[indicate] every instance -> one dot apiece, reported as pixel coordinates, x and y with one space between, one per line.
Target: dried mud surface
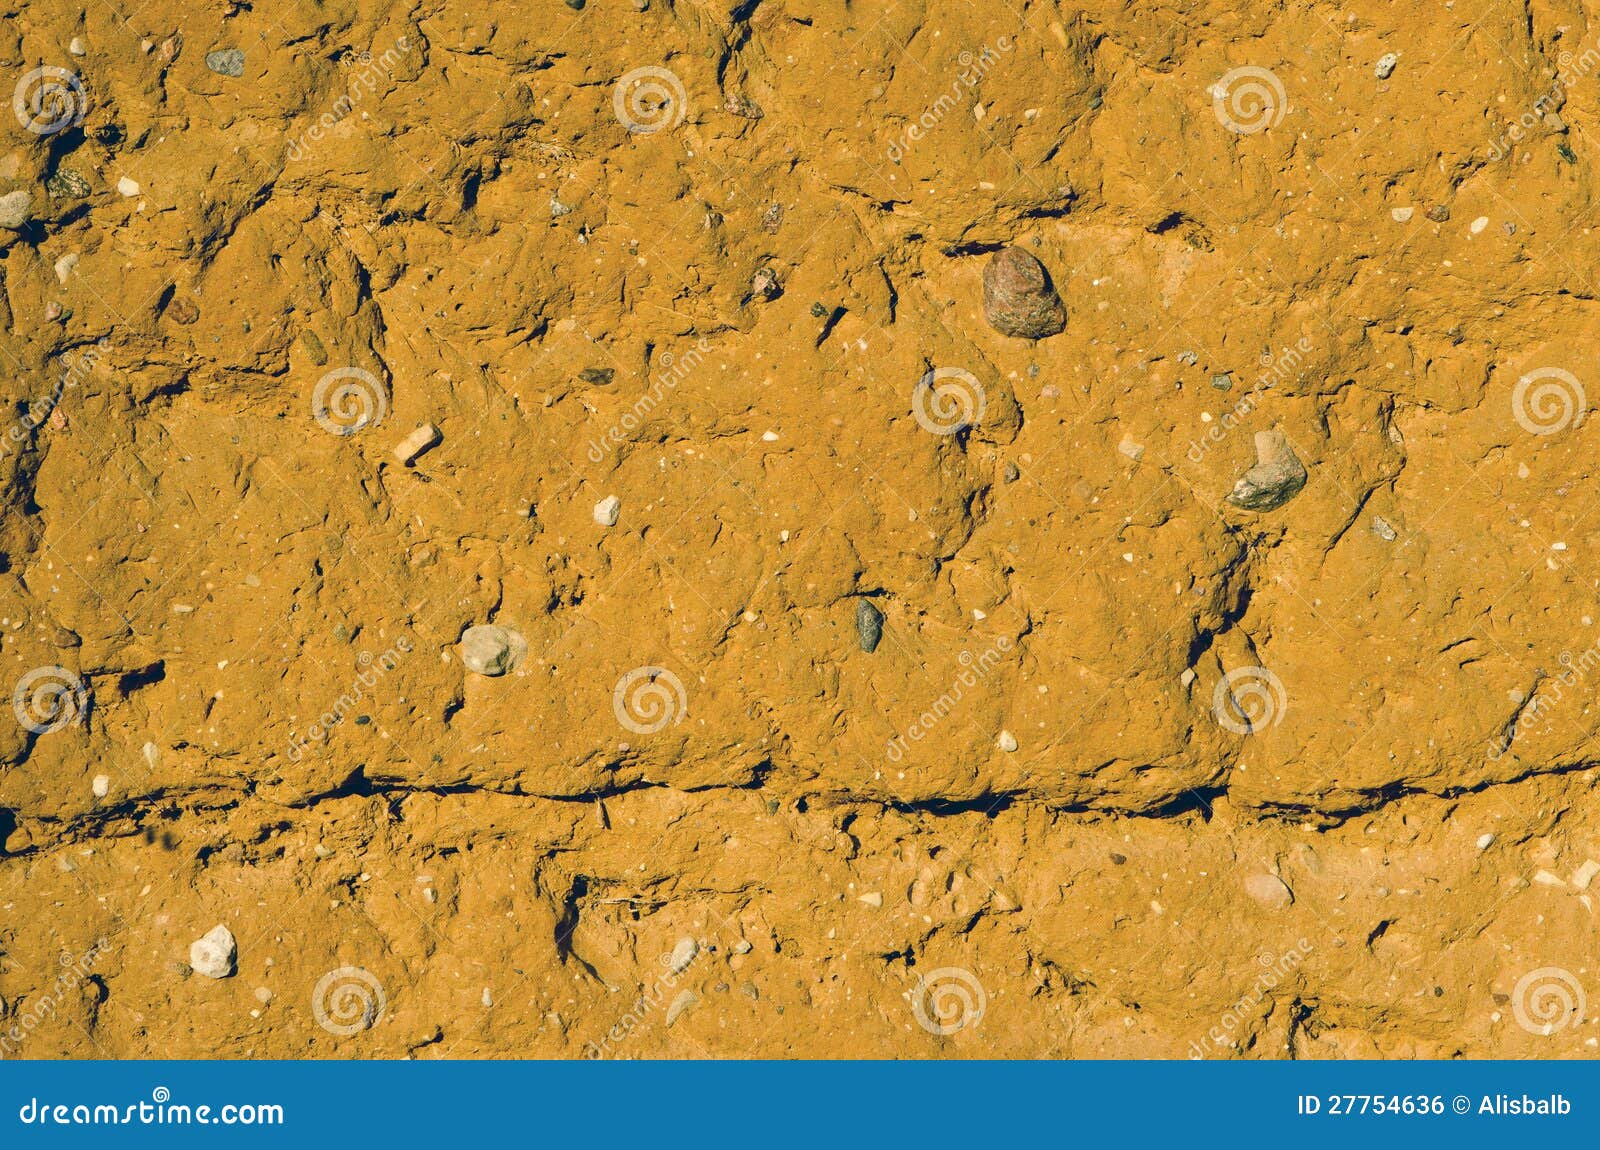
694 297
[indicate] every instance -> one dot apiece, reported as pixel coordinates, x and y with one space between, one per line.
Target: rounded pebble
1018 298
213 953
491 650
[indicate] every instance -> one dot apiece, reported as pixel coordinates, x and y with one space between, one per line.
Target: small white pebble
1385 66
1485 841
1479 224
127 186
1007 742
77 48
607 511
1401 215
769 436
101 786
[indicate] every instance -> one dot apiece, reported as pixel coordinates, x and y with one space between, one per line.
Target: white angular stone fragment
607 510
417 442
127 186
101 786
1485 841
1007 742
213 953
1584 875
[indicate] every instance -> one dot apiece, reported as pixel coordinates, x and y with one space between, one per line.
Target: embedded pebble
607 510
1269 890
764 285
1485 841
76 47
67 184
16 208
1381 528
1222 381
1018 297
1277 477
742 947
872 898
491 650
1439 213
683 953
1401 215
869 625
101 786
1584 875
1478 224
1007 742
417 442
1385 66
226 62
213 953
128 186
683 1002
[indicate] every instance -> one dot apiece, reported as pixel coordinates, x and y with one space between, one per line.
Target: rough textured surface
725 264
